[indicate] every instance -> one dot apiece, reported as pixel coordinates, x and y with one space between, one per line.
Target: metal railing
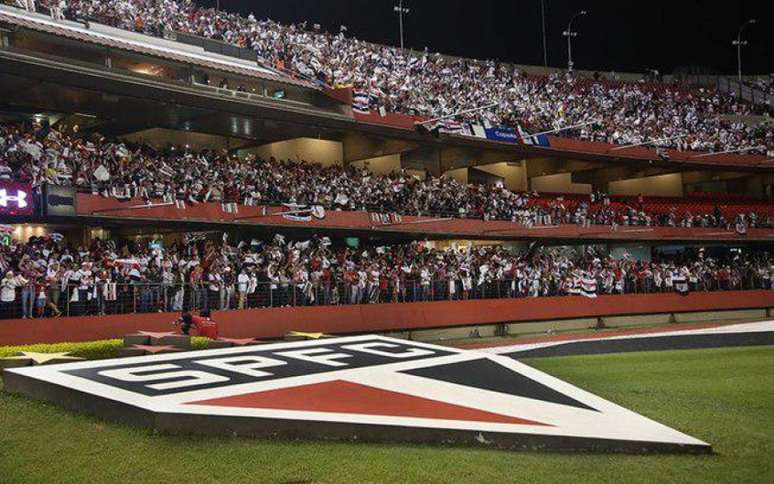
749 93
129 298
527 216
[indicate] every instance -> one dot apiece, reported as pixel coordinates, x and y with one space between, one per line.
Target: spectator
433 85
185 177
8 287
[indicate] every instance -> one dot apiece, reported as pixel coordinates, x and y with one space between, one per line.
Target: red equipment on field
204 325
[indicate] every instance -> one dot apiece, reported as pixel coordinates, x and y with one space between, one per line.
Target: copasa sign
505 135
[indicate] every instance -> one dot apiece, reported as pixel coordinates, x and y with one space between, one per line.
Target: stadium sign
366 388
59 200
15 198
505 135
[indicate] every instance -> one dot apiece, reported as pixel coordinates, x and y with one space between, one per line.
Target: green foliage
93 350
722 396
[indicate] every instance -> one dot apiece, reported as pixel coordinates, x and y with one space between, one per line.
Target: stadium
234 248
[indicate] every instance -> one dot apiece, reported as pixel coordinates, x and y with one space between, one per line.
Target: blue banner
541 140
506 135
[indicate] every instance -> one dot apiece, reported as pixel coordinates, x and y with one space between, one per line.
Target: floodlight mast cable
570 34
401 12
739 43
458 113
730 152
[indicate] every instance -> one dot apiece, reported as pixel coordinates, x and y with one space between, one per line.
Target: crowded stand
39 154
47 277
765 84
432 85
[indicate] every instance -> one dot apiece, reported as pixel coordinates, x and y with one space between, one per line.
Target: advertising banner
15 199
59 200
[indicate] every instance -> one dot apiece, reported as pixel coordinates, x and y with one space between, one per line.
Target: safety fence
119 298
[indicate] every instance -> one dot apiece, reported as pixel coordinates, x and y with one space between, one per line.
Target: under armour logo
20 198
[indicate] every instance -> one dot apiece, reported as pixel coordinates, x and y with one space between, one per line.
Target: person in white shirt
168 280
8 287
243 284
425 278
85 279
58 9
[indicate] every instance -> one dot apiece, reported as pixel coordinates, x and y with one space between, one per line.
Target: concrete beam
454 158
360 147
554 166
601 178
690 177
426 158
492 157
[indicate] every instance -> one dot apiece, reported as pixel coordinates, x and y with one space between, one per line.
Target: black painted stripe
655 343
485 374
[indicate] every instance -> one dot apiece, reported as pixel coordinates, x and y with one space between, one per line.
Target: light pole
543 19
739 43
570 34
401 12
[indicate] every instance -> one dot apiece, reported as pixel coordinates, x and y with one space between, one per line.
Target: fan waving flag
361 102
680 283
526 139
450 126
588 287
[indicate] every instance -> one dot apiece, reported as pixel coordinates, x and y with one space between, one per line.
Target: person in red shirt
231 198
41 290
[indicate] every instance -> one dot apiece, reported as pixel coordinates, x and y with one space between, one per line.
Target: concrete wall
637 252
460 174
429 335
559 183
698 317
514 175
382 165
544 326
22 233
644 320
161 138
754 186
325 152
417 173
276 322
670 185
90 205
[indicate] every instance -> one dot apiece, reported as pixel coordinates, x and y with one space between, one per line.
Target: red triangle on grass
346 397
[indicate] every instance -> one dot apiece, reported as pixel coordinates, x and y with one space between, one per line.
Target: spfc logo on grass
357 388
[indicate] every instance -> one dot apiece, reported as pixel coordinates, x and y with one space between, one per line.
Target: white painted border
610 421
758 327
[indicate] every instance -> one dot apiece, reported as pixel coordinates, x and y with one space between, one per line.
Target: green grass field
725 397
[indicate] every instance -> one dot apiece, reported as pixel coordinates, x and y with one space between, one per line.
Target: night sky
625 36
